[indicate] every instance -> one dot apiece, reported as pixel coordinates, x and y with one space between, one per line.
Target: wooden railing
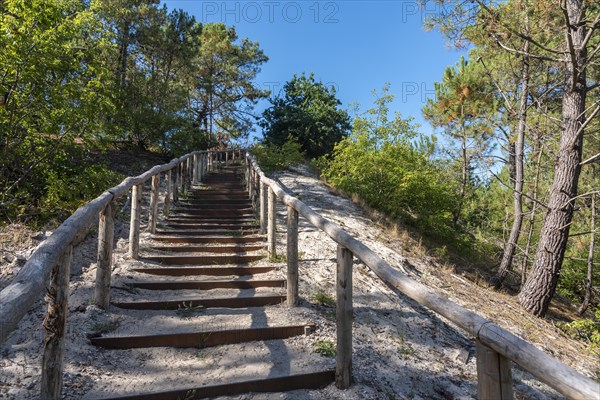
49 265
495 346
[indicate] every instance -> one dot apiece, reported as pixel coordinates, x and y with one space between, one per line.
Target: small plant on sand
324 299
406 350
325 348
188 310
277 258
101 328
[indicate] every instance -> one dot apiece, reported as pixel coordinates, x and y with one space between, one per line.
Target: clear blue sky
355 45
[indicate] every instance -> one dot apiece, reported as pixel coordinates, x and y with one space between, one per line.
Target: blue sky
355 45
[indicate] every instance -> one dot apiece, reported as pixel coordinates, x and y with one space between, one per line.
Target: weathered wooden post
154 204
55 325
254 195
167 202
494 380
134 224
343 359
292 256
106 237
200 167
271 225
250 180
186 172
190 171
176 184
264 194
180 179
195 168
227 158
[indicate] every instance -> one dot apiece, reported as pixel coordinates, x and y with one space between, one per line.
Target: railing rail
495 345
48 266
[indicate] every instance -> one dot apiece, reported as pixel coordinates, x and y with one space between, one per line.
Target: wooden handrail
31 280
559 376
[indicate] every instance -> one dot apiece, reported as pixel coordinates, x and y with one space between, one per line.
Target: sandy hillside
401 350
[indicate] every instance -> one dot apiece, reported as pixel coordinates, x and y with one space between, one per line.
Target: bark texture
540 286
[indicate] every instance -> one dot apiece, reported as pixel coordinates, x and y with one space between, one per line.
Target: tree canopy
309 112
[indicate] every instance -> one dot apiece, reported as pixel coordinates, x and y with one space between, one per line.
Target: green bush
388 164
587 329
271 157
71 187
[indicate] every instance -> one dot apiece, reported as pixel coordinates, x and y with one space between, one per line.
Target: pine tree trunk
539 288
511 245
533 214
590 260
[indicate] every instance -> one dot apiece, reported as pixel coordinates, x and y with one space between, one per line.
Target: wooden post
200 168
195 170
264 194
186 173
494 380
176 184
343 360
134 225
255 195
154 204
167 203
106 238
250 180
190 172
181 177
292 256
226 158
271 225
55 325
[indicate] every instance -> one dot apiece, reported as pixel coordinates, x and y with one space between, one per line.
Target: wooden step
212 238
210 248
224 302
217 196
207 285
220 259
206 271
200 340
194 219
311 381
200 201
213 206
218 234
232 227
213 211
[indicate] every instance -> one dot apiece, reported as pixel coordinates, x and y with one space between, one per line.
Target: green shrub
72 187
587 329
271 157
390 166
325 348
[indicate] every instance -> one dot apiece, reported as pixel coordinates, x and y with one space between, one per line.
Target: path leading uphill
193 283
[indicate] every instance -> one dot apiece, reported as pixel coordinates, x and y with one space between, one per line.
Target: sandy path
401 351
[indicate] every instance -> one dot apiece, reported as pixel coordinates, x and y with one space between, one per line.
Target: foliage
223 93
73 186
389 165
325 348
587 329
272 157
308 111
101 74
324 299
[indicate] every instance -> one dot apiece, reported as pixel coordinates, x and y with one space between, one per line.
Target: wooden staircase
206 261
